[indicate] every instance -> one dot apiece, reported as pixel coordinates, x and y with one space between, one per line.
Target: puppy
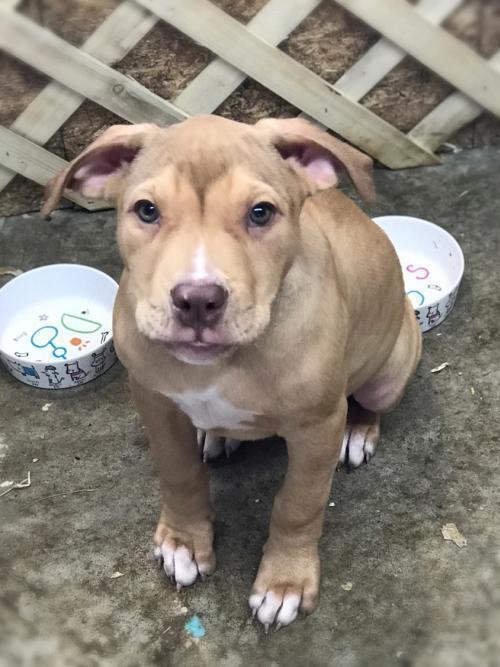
256 299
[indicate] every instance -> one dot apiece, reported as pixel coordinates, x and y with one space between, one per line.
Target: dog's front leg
288 578
183 539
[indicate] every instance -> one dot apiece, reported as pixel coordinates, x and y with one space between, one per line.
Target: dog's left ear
317 156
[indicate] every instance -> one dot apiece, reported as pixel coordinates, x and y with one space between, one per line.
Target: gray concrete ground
91 509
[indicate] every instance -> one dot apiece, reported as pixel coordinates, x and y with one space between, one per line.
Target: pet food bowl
432 263
55 325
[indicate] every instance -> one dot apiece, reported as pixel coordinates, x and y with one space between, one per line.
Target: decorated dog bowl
55 325
432 263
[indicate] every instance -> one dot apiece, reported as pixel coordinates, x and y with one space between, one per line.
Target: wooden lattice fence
244 51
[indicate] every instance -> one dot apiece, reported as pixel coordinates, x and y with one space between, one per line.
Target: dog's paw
183 559
212 446
358 445
361 436
272 606
285 585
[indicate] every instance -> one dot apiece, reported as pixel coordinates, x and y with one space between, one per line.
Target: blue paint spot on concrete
195 627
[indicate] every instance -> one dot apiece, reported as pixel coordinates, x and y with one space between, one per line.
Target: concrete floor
91 509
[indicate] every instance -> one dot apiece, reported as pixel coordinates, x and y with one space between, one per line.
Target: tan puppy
254 301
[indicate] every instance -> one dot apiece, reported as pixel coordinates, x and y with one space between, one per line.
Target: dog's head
208 215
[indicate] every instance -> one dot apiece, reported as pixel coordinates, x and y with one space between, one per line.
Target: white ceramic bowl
55 325
432 263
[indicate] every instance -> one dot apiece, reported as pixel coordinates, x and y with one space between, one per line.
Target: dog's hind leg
380 394
385 390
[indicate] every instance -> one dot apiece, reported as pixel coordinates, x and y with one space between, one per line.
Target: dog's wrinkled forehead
204 149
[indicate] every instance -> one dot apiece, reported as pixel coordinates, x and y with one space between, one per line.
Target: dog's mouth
198 351
198 346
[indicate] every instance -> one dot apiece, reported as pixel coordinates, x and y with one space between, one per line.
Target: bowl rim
48 268
421 221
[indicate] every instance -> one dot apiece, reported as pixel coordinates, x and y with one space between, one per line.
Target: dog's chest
208 410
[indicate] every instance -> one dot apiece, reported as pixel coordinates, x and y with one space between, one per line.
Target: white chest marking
207 410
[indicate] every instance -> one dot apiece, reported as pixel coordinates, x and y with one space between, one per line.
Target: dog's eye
261 214
146 211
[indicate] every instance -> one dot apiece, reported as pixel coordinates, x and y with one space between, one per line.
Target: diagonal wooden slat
39 165
445 55
272 68
273 23
448 117
79 71
52 107
383 56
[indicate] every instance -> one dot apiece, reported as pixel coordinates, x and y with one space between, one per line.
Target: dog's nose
199 305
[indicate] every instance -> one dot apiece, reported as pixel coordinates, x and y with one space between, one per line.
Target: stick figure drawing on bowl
75 372
433 314
98 361
53 376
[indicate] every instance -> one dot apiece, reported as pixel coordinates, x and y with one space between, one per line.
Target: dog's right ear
96 172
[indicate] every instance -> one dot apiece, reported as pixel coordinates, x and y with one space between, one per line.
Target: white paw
179 564
231 445
212 446
271 607
358 445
